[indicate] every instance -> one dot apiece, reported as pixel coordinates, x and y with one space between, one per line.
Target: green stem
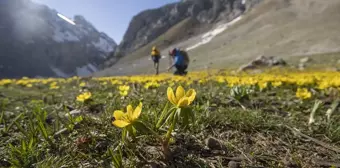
172 127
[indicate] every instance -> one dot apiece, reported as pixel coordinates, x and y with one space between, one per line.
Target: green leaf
165 113
23 145
316 106
191 114
31 125
43 130
13 122
22 130
170 118
140 126
185 116
78 119
179 112
2 117
124 134
330 111
15 150
117 158
133 130
172 127
30 145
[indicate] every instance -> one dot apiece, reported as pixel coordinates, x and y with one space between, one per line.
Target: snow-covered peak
68 45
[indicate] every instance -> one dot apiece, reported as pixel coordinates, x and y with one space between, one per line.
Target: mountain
173 23
149 24
38 41
282 28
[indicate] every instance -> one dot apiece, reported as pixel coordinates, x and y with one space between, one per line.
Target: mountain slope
150 24
281 28
36 41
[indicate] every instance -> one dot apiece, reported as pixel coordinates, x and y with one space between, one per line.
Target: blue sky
109 16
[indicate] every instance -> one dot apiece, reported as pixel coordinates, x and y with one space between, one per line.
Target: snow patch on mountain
60 36
103 45
66 19
59 72
207 37
86 70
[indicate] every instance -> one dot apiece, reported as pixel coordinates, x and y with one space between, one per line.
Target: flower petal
183 102
118 115
171 96
191 94
180 92
120 123
137 111
129 111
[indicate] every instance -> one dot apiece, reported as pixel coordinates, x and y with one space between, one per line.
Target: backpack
185 56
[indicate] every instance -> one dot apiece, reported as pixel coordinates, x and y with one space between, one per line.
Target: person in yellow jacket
155 56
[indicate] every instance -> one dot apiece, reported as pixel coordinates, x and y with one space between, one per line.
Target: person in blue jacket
180 61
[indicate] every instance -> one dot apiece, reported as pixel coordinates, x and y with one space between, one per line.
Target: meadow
278 118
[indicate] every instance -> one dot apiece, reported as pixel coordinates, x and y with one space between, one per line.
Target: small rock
233 164
74 113
263 61
246 67
154 165
2 95
302 66
213 143
305 60
290 164
4 163
49 119
333 69
152 150
70 108
9 114
63 131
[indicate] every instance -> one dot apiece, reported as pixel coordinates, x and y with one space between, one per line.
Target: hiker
181 61
155 56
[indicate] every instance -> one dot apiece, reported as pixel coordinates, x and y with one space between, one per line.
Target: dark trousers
156 63
180 69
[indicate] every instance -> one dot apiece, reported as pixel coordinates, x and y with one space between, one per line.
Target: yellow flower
123 93
323 85
83 97
54 86
171 83
182 98
151 85
202 81
124 90
263 85
303 93
220 79
189 83
5 82
277 83
83 84
125 119
29 85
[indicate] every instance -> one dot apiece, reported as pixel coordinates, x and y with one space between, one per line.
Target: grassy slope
255 136
279 28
